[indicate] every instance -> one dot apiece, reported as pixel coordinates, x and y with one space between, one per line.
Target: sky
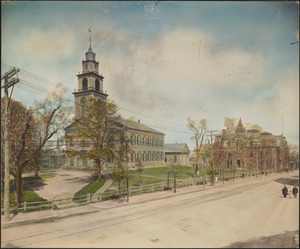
164 62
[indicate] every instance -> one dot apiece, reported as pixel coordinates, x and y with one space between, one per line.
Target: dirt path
65 184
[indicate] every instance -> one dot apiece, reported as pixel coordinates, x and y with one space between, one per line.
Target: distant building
177 154
54 158
251 149
146 144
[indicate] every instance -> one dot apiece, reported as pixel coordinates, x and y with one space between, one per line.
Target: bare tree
199 132
30 129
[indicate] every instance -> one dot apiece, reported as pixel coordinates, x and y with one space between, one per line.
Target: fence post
25 205
88 197
174 185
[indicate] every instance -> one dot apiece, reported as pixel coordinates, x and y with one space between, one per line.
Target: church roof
240 126
133 125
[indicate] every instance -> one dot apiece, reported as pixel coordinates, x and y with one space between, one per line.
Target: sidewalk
39 216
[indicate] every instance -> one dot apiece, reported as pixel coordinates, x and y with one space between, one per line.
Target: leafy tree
30 129
230 126
139 169
119 173
293 155
199 132
253 126
99 130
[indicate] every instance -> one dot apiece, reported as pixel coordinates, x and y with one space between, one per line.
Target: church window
97 85
84 84
83 110
71 162
84 162
86 66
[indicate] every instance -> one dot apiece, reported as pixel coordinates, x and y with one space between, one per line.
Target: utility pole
8 82
256 147
127 187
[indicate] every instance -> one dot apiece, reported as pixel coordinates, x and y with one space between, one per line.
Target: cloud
180 73
46 46
177 66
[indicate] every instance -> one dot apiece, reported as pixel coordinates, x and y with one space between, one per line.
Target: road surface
216 217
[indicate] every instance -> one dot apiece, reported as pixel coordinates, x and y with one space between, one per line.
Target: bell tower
90 82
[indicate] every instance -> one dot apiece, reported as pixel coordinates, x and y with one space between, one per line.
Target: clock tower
90 82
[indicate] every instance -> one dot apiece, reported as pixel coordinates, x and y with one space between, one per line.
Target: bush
95 175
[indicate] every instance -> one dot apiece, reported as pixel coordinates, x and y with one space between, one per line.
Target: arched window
97 85
82 110
84 84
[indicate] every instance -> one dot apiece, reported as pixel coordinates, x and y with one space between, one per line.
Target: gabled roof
265 133
137 126
131 125
176 147
240 126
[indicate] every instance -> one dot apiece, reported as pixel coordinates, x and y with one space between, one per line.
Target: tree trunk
19 187
36 174
98 169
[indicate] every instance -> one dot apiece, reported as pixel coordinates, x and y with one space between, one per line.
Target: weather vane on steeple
90 30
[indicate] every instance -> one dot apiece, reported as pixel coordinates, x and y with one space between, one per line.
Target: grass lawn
156 175
151 176
29 196
91 188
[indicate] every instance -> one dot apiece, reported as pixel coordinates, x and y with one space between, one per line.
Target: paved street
219 216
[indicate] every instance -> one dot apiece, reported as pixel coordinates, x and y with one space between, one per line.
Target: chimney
139 121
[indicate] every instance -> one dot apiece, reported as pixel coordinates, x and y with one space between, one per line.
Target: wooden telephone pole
8 82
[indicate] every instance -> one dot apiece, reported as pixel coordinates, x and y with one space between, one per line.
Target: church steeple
90 82
90 30
90 64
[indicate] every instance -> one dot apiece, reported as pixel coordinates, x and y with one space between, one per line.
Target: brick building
250 149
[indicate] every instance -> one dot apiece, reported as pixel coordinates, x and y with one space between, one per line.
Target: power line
41 89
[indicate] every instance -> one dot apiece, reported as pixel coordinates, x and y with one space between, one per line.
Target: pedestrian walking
216 179
295 191
285 191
